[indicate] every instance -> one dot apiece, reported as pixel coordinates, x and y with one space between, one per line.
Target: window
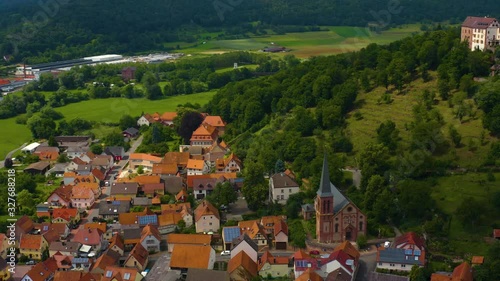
360 225
282 191
336 227
210 223
380 263
392 264
349 209
289 190
403 265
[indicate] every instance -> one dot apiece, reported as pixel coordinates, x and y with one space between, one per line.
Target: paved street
367 264
161 269
9 155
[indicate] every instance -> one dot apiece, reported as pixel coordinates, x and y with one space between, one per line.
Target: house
196 167
114 273
307 211
78 152
75 275
167 118
180 210
338 259
463 272
174 239
399 259
185 257
181 196
180 159
128 73
61 197
122 189
205 136
477 260
32 246
167 223
117 152
146 119
111 209
94 186
89 237
65 248
202 187
30 148
255 231
138 258
281 186
196 274
42 210
65 215
230 164
217 122
50 156
42 271
82 197
268 265
268 222
23 225
242 268
142 159
108 258
214 152
73 141
58 170
243 243
409 240
38 168
309 275
130 133
64 263
60 229
84 170
4 246
275 49
173 184
206 218
337 218
229 233
153 189
496 234
480 33
151 238
163 169
148 219
146 179
281 235
102 162
4 270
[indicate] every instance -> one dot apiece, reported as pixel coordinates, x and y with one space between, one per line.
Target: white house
150 238
281 186
196 167
245 244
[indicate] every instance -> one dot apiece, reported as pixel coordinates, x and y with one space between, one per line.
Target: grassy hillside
373 113
13 136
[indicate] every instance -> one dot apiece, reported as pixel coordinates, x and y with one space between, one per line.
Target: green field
99 110
13 136
336 40
112 109
363 131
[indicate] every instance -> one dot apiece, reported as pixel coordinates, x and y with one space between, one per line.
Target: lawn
336 40
111 110
13 137
449 194
248 66
373 113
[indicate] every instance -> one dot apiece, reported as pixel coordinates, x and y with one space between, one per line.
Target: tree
127 121
96 149
373 161
223 194
114 139
362 241
62 158
24 199
140 170
469 212
166 199
8 163
41 128
190 121
25 182
52 142
417 274
455 136
375 186
388 134
279 167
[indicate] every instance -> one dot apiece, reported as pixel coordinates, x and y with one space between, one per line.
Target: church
337 218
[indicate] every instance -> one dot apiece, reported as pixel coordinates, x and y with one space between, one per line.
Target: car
30 262
387 244
225 253
314 253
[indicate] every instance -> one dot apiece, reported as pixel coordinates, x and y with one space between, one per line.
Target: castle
337 218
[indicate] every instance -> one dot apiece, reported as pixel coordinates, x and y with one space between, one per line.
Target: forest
44 31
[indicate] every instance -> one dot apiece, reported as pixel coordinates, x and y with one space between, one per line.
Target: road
9 155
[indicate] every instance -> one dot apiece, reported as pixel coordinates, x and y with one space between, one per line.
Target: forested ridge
54 30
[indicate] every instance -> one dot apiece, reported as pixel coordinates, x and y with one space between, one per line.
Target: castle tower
324 207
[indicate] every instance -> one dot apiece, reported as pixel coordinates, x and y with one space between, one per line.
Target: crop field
337 39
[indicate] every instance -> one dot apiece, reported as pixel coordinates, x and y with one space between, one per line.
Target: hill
69 29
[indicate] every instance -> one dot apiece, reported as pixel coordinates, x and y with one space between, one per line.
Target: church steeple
325 189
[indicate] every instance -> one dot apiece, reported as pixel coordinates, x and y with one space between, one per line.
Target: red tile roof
478 22
242 260
410 238
215 121
477 260
88 236
31 242
349 249
64 213
98 174
150 230
191 256
205 209
281 226
140 254
309 275
269 258
118 273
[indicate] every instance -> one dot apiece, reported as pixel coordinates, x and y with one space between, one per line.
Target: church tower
324 207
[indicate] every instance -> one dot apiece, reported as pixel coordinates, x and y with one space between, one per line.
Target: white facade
395 266
332 266
207 223
211 260
282 194
188 219
142 121
478 39
245 247
150 243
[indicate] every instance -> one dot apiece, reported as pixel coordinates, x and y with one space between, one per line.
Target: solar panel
408 252
116 203
151 219
45 227
80 260
417 252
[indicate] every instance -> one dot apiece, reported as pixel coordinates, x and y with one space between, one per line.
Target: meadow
335 40
98 110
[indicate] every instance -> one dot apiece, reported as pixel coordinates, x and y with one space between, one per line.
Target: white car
225 253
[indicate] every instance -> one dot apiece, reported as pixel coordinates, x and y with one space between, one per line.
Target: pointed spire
325 189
